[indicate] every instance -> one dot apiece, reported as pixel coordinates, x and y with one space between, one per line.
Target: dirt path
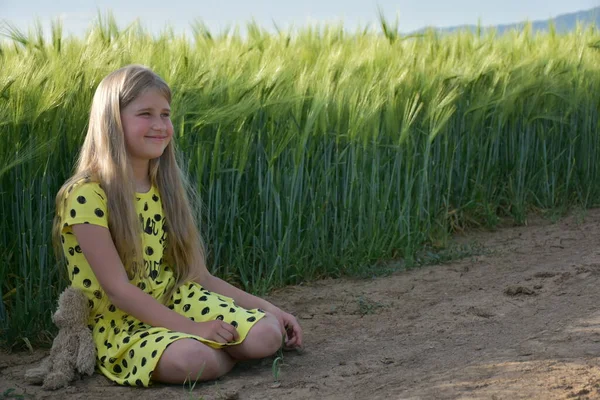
520 322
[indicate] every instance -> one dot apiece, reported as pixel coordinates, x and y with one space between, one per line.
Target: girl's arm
99 250
289 324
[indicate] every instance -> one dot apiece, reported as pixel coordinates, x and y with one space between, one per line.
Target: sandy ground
520 320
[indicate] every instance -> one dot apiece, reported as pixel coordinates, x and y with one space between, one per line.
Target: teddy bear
73 348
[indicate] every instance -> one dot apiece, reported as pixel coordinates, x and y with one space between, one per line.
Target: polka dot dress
128 349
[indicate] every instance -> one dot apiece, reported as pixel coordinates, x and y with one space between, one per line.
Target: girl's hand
291 326
217 331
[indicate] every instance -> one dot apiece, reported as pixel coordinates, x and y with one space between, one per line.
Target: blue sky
218 14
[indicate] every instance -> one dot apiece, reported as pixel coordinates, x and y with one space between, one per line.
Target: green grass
316 152
11 394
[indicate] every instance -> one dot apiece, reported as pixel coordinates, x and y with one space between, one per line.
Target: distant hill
563 23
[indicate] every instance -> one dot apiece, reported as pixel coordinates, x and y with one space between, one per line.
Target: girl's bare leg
189 359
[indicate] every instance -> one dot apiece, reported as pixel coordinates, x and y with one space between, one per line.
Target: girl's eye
166 115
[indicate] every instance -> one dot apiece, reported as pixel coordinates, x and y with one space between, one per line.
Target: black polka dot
192 318
223 305
232 310
145 206
102 329
108 345
191 286
205 310
134 370
203 298
153 274
251 319
113 323
149 250
139 382
190 295
174 337
143 335
97 294
172 306
117 369
260 310
178 301
158 339
124 362
219 317
99 212
86 222
144 343
62 238
103 358
78 249
126 382
234 324
81 199
157 217
131 353
91 304
154 353
112 360
141 285
117 330
71 251
155 197
73 213
87 283
187 307
143 361
112 308
65 225
126 340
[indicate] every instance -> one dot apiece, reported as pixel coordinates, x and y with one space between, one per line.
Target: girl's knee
193 360
269 331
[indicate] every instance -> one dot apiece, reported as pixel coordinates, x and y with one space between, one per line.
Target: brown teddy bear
73 348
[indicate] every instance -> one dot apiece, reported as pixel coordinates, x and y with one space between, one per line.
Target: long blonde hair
103 158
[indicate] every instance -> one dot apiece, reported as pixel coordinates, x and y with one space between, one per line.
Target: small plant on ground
10 394
278 362
367 306
191 385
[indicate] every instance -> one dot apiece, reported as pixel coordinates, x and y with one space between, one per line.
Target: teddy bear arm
86 354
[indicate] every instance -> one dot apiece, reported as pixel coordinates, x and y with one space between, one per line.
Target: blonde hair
103 158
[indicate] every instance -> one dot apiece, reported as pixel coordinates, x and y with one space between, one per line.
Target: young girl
127 231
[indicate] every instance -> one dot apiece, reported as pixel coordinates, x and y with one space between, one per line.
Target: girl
127 231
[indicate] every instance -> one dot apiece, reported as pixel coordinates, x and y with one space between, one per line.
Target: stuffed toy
73 349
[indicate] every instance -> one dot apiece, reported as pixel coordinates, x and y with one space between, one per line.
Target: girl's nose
159 125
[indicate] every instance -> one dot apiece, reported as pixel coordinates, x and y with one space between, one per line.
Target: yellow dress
129 349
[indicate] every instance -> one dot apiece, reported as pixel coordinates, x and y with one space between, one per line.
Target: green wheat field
316 153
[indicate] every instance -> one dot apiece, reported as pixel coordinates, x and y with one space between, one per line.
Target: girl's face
147 126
